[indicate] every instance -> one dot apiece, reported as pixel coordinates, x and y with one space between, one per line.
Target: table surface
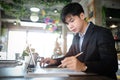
19 72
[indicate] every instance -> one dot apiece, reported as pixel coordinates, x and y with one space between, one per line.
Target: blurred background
37 23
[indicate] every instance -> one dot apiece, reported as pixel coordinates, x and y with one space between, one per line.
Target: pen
78 54
75 56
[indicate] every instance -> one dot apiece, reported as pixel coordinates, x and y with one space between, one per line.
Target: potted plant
26 51
25 54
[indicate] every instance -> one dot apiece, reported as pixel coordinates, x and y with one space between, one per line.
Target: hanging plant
103 16
15 9
19 10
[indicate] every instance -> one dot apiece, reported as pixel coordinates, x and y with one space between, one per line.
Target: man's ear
82 16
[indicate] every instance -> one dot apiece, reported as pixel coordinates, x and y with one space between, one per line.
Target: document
54 72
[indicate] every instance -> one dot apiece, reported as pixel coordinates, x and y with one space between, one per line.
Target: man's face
75 23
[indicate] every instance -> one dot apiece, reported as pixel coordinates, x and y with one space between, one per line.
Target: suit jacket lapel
87 37
77 43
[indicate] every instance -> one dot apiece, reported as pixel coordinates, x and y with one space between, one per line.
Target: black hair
72 9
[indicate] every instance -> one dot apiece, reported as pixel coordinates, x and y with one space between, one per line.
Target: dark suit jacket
99 55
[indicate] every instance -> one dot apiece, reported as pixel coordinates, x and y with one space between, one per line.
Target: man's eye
72 20
66 23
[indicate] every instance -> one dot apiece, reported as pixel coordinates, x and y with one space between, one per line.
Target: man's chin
75 32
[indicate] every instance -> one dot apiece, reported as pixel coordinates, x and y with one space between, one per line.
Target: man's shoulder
98 26
101 28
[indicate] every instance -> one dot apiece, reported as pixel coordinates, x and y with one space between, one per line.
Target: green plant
26 51
20 8
103 16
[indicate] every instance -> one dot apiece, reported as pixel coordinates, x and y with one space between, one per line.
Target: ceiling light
113 26
110 17
55 10
34 9
15 23
31 24
34 17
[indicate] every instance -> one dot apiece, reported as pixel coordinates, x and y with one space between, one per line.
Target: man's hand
73 63
47 61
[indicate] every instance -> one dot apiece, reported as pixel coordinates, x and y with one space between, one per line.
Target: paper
53 72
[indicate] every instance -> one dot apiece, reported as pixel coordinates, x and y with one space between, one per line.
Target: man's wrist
84 68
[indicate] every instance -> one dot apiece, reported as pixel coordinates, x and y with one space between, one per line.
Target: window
43 42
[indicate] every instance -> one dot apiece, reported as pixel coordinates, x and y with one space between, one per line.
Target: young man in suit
97 44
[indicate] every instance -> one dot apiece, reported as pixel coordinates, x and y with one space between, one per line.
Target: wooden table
18 73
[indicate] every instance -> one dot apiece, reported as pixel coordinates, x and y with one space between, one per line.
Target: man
97 44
